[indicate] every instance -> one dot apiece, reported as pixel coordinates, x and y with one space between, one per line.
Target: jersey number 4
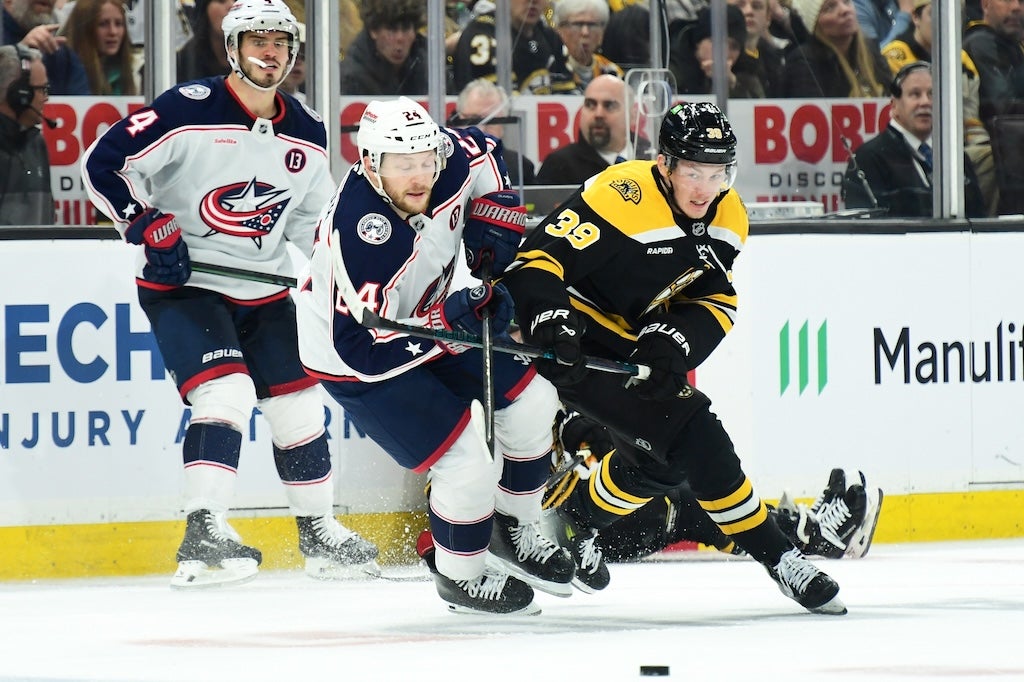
366 297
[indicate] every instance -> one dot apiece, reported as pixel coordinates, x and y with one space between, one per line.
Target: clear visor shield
428 163
703 176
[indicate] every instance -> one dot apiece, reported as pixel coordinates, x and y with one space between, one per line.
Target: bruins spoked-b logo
629 189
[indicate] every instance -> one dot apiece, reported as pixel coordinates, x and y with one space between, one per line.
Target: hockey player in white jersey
389 241
227 170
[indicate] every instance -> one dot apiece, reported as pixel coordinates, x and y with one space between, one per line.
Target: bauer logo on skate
244 209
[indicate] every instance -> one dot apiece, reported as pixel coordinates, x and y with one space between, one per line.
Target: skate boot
493 592
532 557
801 581
591 571
800 525
848 513
212 554
334 552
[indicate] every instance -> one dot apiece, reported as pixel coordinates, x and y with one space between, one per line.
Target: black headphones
896 87
20 92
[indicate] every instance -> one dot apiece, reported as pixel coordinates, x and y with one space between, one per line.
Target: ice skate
334 552
212 554
532 557
591 571
801 526
493 592
801 581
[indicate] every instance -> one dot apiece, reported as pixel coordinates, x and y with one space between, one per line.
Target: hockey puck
654 670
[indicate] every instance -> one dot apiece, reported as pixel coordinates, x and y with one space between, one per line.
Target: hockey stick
250 275
487 345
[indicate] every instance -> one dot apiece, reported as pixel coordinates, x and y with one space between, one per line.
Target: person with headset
637 266
893 170
26 197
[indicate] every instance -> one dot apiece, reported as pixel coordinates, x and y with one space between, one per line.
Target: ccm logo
221 353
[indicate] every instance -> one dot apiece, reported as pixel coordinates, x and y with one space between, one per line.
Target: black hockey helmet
697 131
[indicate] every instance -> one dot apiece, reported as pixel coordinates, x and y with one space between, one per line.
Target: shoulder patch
449 146
195 91
316 117
373 228
629 189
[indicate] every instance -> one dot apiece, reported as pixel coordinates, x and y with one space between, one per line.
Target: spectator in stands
389 56
897 163
481 100
97 31
761 56
601 140
690 59
994 45
538 63
915 44
25 194
627 38
580 24
33 23
835 60
204 54
883 20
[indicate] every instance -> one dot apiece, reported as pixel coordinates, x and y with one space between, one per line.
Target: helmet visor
706 176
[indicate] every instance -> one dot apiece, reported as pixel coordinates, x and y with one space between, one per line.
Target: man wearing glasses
25 194
580 25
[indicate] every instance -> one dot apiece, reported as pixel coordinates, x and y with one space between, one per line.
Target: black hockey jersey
617 253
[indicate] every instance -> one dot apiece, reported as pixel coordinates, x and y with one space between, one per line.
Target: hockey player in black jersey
637 265
840 523
227 170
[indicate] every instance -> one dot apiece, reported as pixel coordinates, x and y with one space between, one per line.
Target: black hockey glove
463 311
167 259
578 432
559 330
663 347
494 228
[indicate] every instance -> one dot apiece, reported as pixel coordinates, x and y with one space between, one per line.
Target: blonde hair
866 85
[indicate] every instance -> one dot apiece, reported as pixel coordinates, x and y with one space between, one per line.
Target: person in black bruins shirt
538 65
637 265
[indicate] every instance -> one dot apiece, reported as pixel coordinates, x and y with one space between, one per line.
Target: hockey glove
463 311
167 260
559 330
578 432
494 228
662 346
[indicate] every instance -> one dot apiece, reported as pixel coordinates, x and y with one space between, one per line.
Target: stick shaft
240 273
371 319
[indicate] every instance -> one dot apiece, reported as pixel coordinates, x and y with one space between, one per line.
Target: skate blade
322 568
583 587
514 569
833 607
860 541
193 575
530 609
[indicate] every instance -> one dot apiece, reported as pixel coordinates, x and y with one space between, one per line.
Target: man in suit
894 170
602 138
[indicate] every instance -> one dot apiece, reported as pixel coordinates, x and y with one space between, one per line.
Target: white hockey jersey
239 186
399 268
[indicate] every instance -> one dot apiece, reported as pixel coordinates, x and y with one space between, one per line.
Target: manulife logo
805 363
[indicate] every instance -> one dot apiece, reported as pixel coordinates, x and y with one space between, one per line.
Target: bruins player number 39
637 265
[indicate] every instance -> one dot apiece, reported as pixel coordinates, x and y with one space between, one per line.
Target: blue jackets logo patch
374 228
243 209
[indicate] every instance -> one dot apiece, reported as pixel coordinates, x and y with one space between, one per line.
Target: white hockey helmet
259 16
398 126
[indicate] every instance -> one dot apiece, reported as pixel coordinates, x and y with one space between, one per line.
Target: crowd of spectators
776 48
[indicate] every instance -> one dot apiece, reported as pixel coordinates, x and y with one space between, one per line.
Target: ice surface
951 611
